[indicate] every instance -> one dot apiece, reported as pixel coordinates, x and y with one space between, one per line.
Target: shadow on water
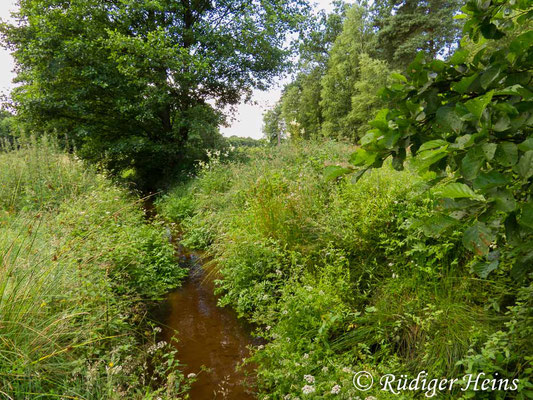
212 341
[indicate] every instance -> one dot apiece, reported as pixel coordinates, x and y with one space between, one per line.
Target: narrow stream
208 336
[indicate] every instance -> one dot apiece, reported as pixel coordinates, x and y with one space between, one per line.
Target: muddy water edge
211 341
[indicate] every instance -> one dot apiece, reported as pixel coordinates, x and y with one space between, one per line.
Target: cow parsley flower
335 389
308 389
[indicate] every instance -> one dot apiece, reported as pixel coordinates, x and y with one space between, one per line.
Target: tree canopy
139 84
350 55
405 27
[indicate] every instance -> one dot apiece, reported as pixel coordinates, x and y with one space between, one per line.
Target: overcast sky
248 118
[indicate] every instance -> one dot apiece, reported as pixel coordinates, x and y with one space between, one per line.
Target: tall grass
77 265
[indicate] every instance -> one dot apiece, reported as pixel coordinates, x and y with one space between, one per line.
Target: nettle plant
467 124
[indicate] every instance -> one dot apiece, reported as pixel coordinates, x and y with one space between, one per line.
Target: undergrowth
340 277
78 266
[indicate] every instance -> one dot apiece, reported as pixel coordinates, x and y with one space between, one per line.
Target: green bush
340 277
78 263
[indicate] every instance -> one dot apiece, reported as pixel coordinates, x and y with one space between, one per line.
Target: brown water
208 337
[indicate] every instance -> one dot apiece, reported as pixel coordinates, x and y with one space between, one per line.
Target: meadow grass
78 266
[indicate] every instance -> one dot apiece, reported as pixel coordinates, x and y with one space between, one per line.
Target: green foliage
347 56
78 264
300 107
407 27
467 122
240 142
342 277
343 72
129 83
273 125
373 75
7 128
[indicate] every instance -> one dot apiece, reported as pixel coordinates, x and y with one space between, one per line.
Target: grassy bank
339 277
78 266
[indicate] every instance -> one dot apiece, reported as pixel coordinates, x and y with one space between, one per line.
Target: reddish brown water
208 336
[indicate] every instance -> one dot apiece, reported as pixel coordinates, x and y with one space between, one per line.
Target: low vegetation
78 265
341 277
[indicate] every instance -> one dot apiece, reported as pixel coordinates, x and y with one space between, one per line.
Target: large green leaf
488 180
363 157
504 200
525 165
426 159
489 149
484 268
433 144
477 238
435 225
522 42
526 218
463 85
459 56
398 77
490 75
448 118
472 162
457 190
507 154
526 145
477 106
332 172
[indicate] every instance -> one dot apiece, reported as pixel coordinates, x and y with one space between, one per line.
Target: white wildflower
309 378
306 356
191 375
284 312
260 347
347 370
308 389
335 389
325 369
268 327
